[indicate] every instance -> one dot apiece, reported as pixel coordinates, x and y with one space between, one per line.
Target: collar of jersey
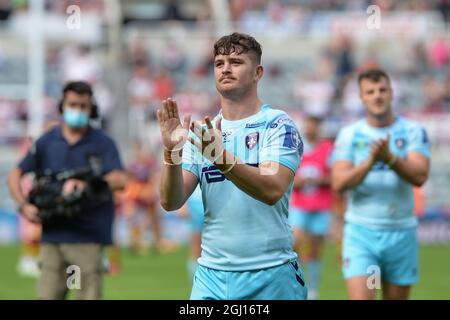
238 123
382 129
87 136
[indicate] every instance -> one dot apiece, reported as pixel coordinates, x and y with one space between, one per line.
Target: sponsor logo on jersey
212 174
279 122
251 140
255 125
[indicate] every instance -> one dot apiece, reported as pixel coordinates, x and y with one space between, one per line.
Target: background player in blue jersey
379 159
195 212
245 160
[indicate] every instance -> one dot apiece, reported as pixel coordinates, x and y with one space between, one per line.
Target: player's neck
381 122
240 109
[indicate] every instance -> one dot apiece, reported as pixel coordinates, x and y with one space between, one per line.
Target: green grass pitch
164 276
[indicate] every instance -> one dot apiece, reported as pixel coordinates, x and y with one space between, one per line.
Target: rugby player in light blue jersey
378 160
244 160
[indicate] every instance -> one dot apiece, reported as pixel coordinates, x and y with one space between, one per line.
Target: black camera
46 193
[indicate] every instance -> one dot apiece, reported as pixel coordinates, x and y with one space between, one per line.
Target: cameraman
77 240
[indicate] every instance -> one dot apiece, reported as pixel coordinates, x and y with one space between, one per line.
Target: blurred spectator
163 86
140 93
444 8
351 104
439 53
237 8
206 64
433 95
30 233
198 104
420 61
343 52
140 204
5 9
138 53
446 95
96 7
104 99
384 5
174 59
277 21
315 94
173 11
80 64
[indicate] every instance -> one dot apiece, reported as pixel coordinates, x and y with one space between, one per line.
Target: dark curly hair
238 43
373 75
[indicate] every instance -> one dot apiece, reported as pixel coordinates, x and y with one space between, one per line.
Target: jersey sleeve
191 158
29 163
111 158
282 144
343 146
419 141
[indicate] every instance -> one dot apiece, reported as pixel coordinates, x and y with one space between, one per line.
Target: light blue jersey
383 200
195 207
241 233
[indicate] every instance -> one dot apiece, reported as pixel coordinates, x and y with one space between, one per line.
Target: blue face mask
75 119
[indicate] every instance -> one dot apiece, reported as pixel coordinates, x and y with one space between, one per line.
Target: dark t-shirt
52 152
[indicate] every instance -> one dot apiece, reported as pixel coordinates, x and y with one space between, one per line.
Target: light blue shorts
393 253
317 223
284 282
196 215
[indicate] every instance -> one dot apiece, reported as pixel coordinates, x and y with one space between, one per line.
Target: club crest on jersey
292 139
400 142
296 141
251 140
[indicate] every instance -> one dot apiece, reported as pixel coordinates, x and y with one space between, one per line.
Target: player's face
311 129
376 96
236 74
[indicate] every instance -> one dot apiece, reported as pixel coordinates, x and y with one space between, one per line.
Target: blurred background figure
193 211
140 203
311 200
30 233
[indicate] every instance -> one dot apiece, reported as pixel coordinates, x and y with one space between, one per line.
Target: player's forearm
415 174
324 181
298 182
349 178
15 188
171 187
263 187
